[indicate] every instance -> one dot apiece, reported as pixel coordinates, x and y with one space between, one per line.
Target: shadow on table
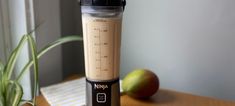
161 97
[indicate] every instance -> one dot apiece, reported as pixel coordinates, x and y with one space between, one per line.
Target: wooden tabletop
163 98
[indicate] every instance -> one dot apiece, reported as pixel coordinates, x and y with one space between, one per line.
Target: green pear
140 83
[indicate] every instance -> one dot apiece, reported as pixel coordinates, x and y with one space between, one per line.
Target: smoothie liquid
102 37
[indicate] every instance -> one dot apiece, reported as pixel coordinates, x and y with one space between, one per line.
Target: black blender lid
103 2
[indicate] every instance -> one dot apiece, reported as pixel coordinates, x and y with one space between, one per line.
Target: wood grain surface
162 98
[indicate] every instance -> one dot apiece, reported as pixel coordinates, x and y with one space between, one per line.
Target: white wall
50 65
18 27
190 44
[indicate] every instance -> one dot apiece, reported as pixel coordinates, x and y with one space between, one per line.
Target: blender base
102 93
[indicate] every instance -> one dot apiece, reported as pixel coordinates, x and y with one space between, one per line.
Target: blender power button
101 97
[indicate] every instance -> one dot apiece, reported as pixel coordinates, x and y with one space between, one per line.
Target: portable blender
102 20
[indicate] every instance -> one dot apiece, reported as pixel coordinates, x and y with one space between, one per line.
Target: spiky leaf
33 48
2 100
13 57
14 93
47 48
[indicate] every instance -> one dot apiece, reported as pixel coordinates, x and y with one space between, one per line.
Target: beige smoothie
102 38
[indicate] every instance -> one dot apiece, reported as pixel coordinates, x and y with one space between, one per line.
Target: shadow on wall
73 56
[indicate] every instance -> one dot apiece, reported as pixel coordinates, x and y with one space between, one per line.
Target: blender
102 24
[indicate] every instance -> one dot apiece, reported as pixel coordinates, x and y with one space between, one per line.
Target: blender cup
101 21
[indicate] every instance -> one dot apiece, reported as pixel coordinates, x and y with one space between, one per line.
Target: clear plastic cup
102 22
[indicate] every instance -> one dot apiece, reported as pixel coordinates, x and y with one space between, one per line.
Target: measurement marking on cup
100 44
102 47
100 50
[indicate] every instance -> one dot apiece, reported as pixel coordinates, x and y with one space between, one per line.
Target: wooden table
162 98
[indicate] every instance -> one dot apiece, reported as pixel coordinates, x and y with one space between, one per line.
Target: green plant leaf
47 48
13 57
8 69
14 93
2 100
35 63
1 66
1 77
11 91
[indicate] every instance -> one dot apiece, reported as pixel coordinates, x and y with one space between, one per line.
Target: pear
140 83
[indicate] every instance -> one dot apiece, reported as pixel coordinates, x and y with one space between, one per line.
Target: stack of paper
71 93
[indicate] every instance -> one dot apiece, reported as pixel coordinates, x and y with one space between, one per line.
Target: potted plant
10 89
